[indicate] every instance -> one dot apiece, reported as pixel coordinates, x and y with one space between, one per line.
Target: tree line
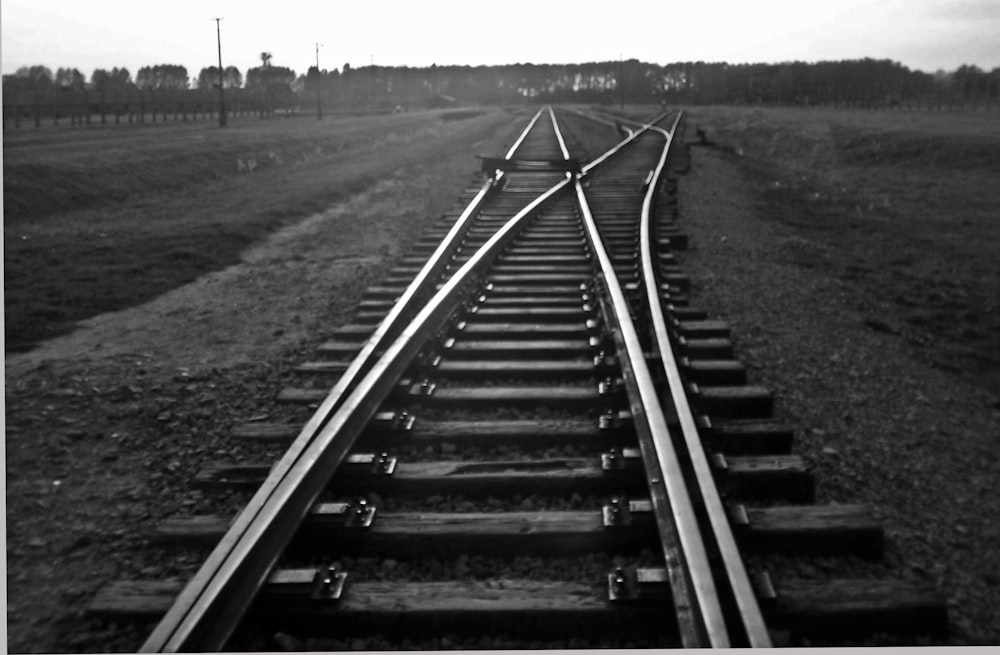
36 92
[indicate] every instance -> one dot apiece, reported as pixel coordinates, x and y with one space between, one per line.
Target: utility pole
222 96
319 80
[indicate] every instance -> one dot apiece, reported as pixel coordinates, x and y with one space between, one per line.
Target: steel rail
391 325
559 136
524 135
418 287
751 619
210 607
699 614
207 611
416 291
218 596
191 600
585 170
590 116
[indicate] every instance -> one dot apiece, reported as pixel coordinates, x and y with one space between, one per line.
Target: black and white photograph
514 326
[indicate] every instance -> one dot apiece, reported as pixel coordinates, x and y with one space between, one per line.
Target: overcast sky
921 34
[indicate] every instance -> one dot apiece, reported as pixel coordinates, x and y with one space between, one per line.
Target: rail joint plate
631 584
328 584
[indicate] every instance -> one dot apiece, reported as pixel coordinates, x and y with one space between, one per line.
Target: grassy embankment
98 219
902 206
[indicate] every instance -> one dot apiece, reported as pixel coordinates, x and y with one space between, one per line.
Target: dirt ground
107 425
822 286
99 219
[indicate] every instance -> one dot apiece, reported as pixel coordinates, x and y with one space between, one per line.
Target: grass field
100 218
903 206
106 427
855 256
96 219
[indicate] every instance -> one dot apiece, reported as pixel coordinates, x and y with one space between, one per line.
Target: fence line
91 107
133 106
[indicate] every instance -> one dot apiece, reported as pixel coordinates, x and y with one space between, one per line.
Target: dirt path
247 312
877 421
106 426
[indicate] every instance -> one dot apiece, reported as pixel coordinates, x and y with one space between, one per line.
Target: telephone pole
222 97
319 80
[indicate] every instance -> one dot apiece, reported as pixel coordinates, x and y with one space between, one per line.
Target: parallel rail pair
211 605
533 335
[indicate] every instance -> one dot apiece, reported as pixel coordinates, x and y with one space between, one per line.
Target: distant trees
34 78
70 79
855 83
974 84
272 85
35 93
261 77
162 76
308 83
102 79
232 78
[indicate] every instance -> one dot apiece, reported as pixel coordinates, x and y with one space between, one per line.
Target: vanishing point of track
537 362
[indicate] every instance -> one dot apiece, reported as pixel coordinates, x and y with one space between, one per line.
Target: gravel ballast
107 426
878 422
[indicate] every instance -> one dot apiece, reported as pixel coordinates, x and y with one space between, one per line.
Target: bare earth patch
107 425
160 206
246 311
878 417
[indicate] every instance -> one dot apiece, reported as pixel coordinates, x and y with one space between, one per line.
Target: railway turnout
528 430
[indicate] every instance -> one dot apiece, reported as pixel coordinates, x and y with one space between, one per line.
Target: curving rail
750 618
207 611
699 608
699 614
538 351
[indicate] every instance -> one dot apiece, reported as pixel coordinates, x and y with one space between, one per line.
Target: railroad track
527 434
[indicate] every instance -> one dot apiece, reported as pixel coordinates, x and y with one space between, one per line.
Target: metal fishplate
378 464
631 584
424 388
619 459
356 514
612 419
328 583
620 512
610 386
360 514
394 420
